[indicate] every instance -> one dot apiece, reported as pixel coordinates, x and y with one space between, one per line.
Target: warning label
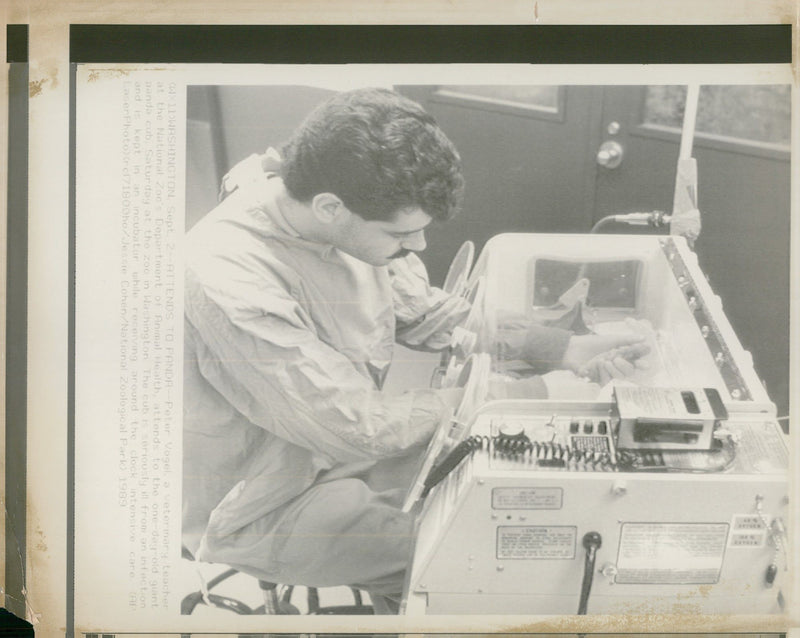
536 542
671 553
527 498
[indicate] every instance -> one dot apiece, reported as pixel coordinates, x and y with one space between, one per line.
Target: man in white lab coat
298 285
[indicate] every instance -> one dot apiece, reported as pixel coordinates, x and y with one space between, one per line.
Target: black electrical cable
505 444
724 452
456 455
591 542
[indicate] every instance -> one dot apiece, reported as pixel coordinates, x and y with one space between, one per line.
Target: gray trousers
346 529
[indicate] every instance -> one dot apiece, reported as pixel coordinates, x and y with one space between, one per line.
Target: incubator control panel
553 437
555 442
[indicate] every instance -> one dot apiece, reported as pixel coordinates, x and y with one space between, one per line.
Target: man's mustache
401 253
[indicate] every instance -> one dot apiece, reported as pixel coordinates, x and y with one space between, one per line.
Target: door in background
742 149
526 161
531 164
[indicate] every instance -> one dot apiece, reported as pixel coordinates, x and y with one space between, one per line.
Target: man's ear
328 208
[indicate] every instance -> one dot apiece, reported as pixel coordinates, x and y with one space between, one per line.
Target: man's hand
604 357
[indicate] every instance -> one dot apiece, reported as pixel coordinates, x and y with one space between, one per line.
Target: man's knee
342 533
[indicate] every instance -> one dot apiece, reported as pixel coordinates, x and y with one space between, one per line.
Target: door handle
610 154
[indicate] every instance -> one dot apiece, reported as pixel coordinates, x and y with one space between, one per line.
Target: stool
274 603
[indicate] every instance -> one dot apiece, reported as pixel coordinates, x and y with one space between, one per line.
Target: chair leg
271 603
313 600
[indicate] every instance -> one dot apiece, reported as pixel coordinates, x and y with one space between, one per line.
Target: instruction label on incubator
671 553
536 542
527 498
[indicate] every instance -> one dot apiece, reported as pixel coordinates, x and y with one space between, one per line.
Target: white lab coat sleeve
257 347
426 315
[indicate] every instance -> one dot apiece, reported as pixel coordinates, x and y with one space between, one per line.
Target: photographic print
405 343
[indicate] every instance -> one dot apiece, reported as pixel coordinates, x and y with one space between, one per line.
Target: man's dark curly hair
378 152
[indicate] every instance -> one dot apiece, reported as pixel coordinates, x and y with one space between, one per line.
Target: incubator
665 492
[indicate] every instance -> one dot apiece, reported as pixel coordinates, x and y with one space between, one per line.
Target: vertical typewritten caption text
148 328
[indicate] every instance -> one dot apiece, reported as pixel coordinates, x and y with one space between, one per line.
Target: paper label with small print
536 542
671 553
527 498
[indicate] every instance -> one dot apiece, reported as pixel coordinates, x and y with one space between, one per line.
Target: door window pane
541 96
758 113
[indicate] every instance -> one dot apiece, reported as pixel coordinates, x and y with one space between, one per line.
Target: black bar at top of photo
16 43
407 44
